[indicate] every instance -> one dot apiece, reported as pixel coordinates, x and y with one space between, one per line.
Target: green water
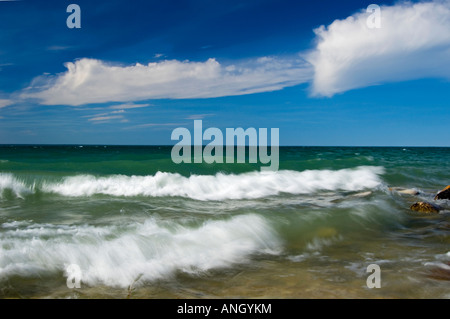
138 225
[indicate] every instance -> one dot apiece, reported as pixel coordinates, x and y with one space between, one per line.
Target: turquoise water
138 225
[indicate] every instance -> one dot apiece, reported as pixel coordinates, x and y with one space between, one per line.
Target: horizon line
170 145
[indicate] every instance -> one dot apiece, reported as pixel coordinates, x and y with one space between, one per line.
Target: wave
118 255
17 187
220 186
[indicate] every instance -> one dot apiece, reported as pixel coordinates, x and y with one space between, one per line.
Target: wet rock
440 273
443 194
408 191
424 207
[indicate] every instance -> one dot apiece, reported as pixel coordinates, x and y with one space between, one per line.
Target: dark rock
443 194
424 207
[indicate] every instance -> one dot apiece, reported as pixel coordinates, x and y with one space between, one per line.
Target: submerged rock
443 194
326 232
424 207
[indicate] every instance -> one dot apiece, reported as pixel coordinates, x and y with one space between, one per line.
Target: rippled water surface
137 225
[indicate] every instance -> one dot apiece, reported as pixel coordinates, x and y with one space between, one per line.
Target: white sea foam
9 182
220 186
116 256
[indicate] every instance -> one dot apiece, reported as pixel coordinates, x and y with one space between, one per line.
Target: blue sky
314 69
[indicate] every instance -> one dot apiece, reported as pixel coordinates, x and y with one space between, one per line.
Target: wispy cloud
58 47
139 126
413 42
128 106
107 118
89 81
198 116
5 64
96 115
5 102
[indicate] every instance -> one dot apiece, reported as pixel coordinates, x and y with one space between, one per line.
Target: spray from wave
9 183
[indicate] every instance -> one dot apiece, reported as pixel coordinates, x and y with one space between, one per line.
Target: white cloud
413 42
89 81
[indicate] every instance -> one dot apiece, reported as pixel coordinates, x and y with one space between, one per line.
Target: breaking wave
220 186
9 183
118 255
